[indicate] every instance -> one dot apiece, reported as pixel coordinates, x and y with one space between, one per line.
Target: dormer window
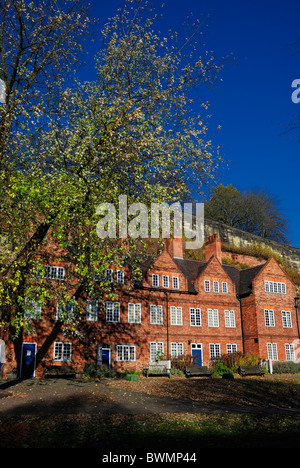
165 280
275 287
155 280
224 287
51 272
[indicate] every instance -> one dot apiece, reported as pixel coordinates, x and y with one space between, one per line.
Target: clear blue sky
253 102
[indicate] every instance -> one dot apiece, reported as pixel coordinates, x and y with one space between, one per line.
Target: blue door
28 360
197 354
103 355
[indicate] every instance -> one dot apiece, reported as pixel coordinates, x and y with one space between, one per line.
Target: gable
273 271
164 262
213 270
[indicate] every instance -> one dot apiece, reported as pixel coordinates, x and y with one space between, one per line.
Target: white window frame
155 348
216 287
196 346
51 272
195 317
275 287
165 281
176 315
214 350
91 310
109 275
206 285
224 287
68 313
231 348
134 312
113 312
290 352
120 276
269 317
229 319
155 280
156 314
177 349
175 282
126 353
96 276
33 310
286 319
272 351
62 351
213 318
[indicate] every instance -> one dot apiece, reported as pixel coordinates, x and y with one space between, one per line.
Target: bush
95 371
181 362
287 367
220 369
175 371
233 360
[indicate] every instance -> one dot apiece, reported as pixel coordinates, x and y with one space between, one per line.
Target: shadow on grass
138 434
75 420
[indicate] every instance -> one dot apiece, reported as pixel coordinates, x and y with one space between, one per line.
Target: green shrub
220 369
126 372
95 371
287 367
249 360
233 360
175 371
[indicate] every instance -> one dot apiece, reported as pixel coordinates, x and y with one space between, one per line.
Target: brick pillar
174 246
213 248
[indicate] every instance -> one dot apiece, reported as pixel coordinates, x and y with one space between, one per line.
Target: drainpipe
177 291
167 307
239 298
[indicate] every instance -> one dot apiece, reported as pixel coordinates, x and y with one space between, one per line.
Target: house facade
197 308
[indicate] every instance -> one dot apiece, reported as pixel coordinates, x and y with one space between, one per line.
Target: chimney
213 248
174 246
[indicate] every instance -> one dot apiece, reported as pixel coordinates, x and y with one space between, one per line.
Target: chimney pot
213 248
174 246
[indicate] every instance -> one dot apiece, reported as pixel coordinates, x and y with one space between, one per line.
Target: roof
234 274
246 278
191 269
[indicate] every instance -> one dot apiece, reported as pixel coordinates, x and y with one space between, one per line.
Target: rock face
238 238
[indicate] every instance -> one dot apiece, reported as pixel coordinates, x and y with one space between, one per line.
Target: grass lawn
168 432
246 426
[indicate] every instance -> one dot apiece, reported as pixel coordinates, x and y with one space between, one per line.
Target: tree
132 132
39 43
255 211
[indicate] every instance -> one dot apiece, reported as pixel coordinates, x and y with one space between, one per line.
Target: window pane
165 281
195 317
155 280
92 310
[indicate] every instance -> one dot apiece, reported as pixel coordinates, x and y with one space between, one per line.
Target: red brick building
179 307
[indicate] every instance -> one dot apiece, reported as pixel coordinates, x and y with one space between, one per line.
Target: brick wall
252 337
257 333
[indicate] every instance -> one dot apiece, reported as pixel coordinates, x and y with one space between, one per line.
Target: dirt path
148 396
